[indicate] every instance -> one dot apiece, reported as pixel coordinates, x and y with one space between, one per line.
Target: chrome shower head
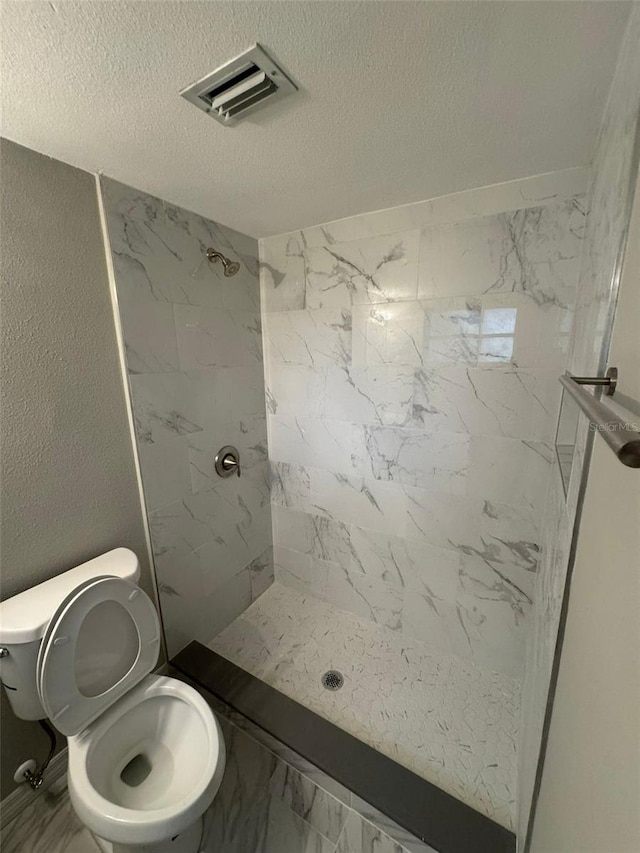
229 267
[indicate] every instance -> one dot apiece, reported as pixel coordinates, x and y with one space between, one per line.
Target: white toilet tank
25 617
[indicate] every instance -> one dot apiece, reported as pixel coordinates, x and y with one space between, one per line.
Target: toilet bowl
148 768
146 754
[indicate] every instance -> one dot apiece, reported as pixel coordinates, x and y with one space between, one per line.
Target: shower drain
332 680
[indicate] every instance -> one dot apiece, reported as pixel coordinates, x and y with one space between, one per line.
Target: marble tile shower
412 398
614 173
193 347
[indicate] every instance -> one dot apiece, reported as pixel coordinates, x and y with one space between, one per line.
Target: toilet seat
164 710
102 640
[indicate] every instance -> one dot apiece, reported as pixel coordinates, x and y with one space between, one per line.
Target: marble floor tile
446 719
48 825
323 812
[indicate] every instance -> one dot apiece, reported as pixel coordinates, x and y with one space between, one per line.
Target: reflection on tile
412 359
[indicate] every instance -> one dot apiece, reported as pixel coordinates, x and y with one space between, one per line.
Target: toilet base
188 841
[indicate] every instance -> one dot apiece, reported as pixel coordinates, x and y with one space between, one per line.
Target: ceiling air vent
240 87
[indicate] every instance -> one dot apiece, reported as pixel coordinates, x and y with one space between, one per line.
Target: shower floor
445 719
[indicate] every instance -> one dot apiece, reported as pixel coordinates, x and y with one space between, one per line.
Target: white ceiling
398 101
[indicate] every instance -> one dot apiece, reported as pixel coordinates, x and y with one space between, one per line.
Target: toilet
146 754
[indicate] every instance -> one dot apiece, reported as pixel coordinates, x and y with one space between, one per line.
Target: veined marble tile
400 835
261 573
149 337
365 596
504 330
217 337
248 435
285 831
283 273
165 471
405 563
318 808
607 225
447 317
316 338
238 818
225 604
446 719
533 250
515 404
167 245
165 405
429 460
194 350
510 471
354 500
315 535
499 533
389 333
300 571
310 442
242 394
492 615
383 269
227 519
360 836
181 593
293 390
381 394
228 555
48 825
534 191
290 486
145 272
322 781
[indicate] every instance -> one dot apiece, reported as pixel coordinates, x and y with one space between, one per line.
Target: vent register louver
240 87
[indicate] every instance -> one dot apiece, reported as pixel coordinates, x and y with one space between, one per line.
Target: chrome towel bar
621 436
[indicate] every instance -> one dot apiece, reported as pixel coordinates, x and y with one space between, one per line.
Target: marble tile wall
614 174
194 358
412 359
274 801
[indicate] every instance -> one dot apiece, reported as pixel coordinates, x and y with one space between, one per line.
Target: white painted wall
590 795
69 489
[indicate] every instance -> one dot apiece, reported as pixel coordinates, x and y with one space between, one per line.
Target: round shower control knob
227 461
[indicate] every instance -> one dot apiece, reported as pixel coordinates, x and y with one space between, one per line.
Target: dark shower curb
431 814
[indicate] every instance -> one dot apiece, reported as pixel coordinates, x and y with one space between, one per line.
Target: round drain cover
332 680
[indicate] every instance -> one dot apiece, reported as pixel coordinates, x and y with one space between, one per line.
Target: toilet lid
102 640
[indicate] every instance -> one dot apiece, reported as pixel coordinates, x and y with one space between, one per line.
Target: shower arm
230 267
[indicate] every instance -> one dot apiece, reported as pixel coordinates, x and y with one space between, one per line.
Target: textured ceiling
398 101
